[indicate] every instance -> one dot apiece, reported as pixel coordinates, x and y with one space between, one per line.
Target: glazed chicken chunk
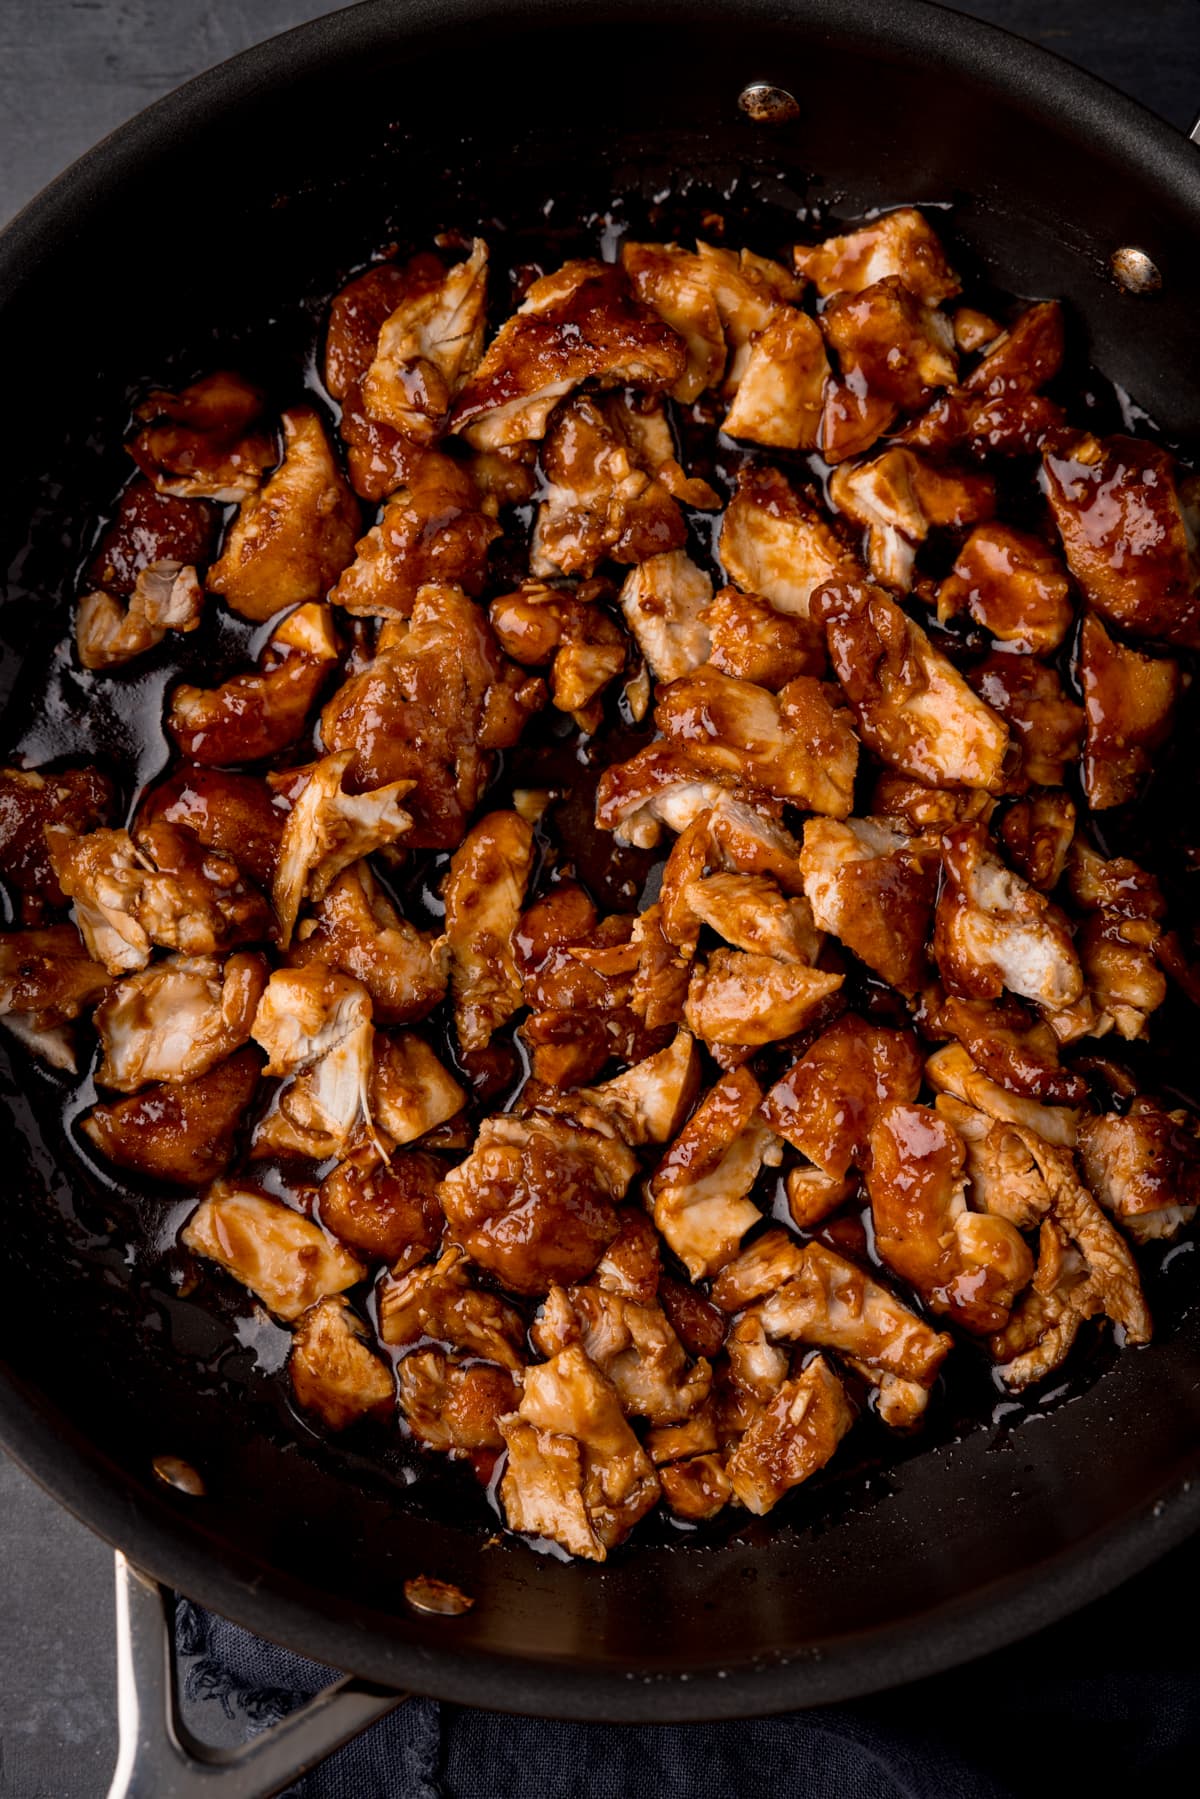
574 633
256 715
483 903
176 1019
993 931
426 348
775 543
327 829
206 442
1144 1168
293 537
665 602
898 498
633 1344
432 529
793 1436
167 596
285 1259
899 243
1012 585
355 927
700 1188
675 284
913 708
826 1103
599 503
1128 701
580 323
333 1370
872 886
575 1472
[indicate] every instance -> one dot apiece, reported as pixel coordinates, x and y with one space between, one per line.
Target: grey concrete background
71 70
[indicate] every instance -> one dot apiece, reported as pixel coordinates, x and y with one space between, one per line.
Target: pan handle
159 1758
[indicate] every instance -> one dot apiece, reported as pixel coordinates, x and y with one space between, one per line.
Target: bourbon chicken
640 941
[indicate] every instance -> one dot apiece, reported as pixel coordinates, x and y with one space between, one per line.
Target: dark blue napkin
1107 1702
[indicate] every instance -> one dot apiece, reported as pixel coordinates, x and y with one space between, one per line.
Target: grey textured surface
70 71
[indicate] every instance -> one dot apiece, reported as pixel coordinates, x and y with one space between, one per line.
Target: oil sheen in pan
126 1230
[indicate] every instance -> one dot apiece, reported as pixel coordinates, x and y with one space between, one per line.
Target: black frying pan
193 227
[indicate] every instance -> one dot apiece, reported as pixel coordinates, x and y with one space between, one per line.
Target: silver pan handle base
159 1758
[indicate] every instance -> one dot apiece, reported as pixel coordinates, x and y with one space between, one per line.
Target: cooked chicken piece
1041 1331
748 1377
873 887
306 1012
150 529
700 1327
200 444
167 597
437 1300
913 708
505 477
798 745
1124 981
658 786
411 1091
827 1101
892 352
750 291
754 642
665 602
575 1473
833 1304
327 829
1119 515
454 1405
775 543
754 844
696 1488
1013 586
782 386
751 913
1144 1168
813 1195
1004 1178
535 1201
746 1000
641 422
768 1264
900 243
483 893
332 1370
998 410
426 348
898 498
576 973
951 1070
1112 1271
675 284
236 815
384 1208
176 1019
1012 1047
649 1101
356 928
974 330
182 1133
574 633
795 1434
294 536
970 1265
255 715
660 982
1037 833
434 704
699 1188
76 799
433 529
632 1344
361 309
631 1264
930 810
577 324
46 978
992 930
283 1257
1029 696
193 901
1129 700
599 504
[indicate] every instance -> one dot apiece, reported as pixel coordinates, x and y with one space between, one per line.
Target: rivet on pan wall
768 105
173 1471
425 1594
1133 270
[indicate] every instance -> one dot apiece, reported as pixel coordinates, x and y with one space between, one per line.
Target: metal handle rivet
173 1471
768 105
1133 270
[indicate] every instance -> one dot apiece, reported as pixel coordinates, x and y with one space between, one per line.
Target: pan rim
163 1541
